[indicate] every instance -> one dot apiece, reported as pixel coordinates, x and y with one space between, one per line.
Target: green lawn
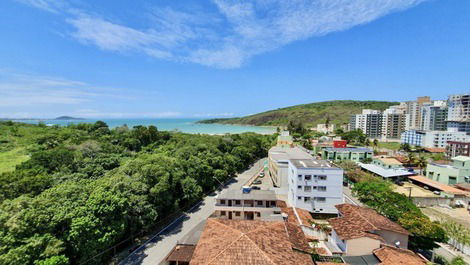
9 159
389 145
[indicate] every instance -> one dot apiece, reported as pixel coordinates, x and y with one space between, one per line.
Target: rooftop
356 222
311 163
389 160
389 255
261 195
461 158
435 150
348 149
385 173
250 242
437 185
285 153
181 253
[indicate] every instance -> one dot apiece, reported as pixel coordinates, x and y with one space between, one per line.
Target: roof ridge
241 235
360 215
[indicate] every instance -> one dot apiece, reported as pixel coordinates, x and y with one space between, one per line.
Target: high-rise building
413 108
458 116
434 116
369 122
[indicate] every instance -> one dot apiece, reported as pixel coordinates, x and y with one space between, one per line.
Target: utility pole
409 194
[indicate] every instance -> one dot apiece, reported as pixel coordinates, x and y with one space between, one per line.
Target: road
348 198
158 247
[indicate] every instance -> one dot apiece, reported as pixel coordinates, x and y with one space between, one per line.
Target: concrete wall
392 237
435 201
361 246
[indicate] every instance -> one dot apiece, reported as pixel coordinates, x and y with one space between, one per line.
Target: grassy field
389 145
9 159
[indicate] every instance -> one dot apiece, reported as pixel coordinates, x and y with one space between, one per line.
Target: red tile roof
357 222
389 255
249 242
437 185
435 150
181 253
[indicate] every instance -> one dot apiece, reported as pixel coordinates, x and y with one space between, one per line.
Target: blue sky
222 58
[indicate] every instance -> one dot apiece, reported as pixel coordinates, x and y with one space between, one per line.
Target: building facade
433 139
254 205
459 112
457 172
351 153
434 117
455 148
315 185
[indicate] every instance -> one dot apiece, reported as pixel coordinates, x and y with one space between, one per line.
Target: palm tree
376 143
421 163
411 159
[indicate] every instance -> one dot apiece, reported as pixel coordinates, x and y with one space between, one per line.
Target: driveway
158 247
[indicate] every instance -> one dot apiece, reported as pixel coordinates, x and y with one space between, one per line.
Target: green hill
338 111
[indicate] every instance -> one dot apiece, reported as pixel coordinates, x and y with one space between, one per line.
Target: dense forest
77 190
332 112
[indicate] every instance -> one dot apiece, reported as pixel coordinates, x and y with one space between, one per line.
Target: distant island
68 118
337 111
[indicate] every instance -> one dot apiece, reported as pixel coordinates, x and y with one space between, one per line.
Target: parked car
399 183
255 188
257 182
437 192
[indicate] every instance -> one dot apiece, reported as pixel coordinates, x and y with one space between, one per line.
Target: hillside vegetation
338 111
68 193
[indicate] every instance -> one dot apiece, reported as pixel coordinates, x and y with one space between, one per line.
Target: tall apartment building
315 185
393 123
375 124
369 122
434 116
458 116
414 109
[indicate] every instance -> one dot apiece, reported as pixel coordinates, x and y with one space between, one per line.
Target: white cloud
22 90
48 5
236 32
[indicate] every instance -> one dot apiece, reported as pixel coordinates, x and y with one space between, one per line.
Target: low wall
435 201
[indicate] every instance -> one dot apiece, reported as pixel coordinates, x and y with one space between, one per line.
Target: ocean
182 125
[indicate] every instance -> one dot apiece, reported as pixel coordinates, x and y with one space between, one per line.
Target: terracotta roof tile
249 242
437 185
181 253
358 222
389 255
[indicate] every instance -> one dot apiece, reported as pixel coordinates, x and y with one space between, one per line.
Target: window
307 189
322 177
308 177
320 199
258 214
237 201
222 213
299 177
259 203
306 199
321 188
222 201
237 213
299 187
299 197
314 187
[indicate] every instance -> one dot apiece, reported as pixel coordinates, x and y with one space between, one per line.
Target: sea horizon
185 125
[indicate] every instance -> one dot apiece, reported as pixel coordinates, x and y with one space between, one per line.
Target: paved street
155 250
348 198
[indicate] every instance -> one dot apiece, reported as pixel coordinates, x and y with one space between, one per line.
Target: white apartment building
434 116
414 108
278 160
433 139
315 185
376 124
